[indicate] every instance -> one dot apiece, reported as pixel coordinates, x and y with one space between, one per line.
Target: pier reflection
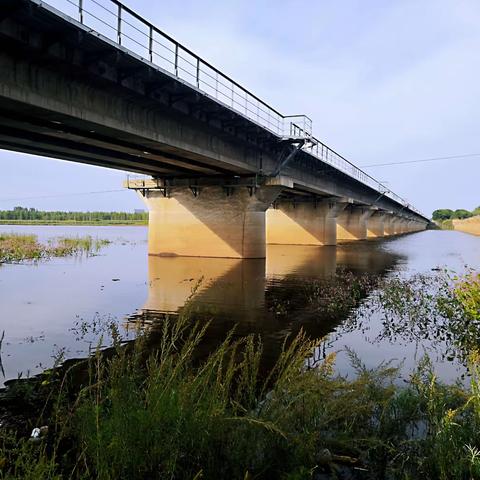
245 291
265 297
231 286
220 285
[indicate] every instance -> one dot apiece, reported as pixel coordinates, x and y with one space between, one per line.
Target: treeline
34 215
447 214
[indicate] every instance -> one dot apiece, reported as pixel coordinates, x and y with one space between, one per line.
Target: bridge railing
117 22
125 27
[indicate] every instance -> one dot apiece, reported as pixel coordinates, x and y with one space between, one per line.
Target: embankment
468 225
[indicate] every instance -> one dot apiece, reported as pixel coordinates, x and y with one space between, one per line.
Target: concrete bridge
93 82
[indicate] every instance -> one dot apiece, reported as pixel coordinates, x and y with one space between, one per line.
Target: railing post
150 44
80 10
176 59
119 25
198 72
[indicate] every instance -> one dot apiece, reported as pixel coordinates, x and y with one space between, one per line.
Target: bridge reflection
265 297
236 288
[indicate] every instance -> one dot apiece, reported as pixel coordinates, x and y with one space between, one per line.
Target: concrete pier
376 225
352 223
207 222
308 223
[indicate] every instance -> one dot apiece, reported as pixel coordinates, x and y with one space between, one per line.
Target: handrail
160 49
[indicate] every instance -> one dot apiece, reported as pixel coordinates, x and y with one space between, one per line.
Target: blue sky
383 82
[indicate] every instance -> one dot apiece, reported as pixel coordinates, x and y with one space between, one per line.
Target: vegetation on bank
31 216
16 248
447 214
138 413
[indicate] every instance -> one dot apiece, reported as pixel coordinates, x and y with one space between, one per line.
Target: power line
433 159
60 195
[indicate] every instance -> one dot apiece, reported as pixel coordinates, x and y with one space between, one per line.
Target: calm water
43 306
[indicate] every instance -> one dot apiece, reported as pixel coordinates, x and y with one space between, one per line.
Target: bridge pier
352 223
376 225
208 221
396 226
307 223
414 226
388 225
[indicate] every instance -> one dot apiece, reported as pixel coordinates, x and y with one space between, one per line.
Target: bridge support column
396 225
403 226
389 225
420 226
208 222
308 223
352 223
376 225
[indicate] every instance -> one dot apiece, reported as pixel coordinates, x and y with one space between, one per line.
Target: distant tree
22 213
461 213
443 214
476 211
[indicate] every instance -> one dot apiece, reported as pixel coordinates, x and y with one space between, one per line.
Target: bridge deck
166 91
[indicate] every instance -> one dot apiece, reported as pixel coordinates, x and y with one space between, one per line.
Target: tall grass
16 248
169 415
172 413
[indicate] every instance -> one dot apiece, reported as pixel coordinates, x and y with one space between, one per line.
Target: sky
383 82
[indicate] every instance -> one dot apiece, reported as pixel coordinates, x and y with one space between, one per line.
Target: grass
138 413
15 248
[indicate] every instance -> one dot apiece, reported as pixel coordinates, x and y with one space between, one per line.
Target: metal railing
120 24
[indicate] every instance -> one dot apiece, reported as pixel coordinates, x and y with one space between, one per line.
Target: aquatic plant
15 248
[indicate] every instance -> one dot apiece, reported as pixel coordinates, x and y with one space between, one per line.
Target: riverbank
87 223
468 225
136 413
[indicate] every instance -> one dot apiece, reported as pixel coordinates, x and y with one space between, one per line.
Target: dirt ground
469 225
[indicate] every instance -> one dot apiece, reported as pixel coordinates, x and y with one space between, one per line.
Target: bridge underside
205 220
216 189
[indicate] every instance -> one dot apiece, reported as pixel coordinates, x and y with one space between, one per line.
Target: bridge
93 82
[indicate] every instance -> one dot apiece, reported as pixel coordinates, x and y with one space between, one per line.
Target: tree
461 213
443 214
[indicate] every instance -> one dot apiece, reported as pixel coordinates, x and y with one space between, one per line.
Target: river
57 307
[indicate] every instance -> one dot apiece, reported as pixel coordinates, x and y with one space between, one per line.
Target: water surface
43 306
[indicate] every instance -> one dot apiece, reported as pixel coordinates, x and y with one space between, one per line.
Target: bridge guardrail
114 20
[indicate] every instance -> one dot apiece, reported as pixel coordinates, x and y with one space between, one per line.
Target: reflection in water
40 304
255 296
237 287
301 261
227 286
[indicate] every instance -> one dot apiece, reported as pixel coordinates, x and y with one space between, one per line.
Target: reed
15 248
170 413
